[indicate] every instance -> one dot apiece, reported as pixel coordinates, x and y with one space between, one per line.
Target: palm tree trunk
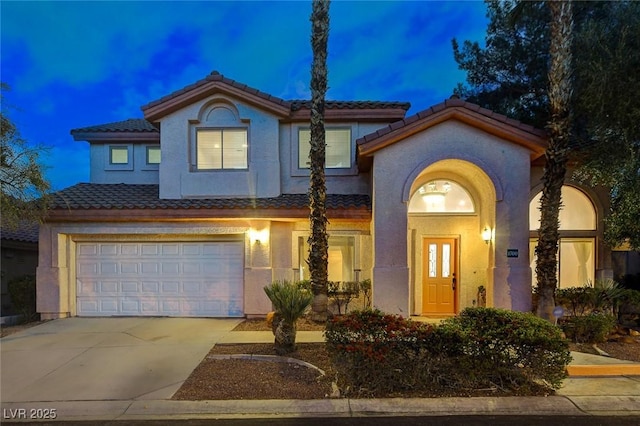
285 337
318 241
559 128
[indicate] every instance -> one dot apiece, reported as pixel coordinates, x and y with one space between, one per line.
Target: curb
587 406
604 370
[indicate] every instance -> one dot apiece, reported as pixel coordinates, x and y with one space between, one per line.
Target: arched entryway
450 203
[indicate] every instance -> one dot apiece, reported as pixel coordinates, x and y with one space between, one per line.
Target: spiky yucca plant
290 302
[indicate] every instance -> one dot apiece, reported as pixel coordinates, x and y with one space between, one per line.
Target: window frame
296 170
197 130
108 157
567 234
149 148
298 259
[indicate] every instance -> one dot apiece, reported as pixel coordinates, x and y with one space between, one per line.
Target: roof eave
115 215
359 114
116 136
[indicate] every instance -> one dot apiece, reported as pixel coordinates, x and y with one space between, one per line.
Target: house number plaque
512 252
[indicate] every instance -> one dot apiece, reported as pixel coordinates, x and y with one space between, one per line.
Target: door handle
453 282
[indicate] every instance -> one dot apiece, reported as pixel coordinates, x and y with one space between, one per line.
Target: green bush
509 349
592 328
379 354
603 296
23 295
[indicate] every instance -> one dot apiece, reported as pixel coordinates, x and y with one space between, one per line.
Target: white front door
186 279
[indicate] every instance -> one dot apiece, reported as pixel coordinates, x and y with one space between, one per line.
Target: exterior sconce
486 235
258 237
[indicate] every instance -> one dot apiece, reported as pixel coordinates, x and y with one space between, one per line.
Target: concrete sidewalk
588 395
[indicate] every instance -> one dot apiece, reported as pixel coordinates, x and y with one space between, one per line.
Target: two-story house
192 210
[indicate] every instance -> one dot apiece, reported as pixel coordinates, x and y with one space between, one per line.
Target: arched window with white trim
441 196
576 249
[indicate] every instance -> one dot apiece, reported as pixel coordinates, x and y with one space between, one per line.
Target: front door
439 281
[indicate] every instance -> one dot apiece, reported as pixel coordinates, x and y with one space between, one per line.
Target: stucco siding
504 164
178 177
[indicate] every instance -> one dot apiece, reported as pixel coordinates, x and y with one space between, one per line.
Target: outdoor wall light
258 236
486 235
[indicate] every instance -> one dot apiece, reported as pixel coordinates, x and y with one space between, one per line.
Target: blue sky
81 63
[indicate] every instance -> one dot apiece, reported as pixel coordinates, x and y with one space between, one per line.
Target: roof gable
456 109
211 84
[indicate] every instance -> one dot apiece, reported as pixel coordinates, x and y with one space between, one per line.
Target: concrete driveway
87 359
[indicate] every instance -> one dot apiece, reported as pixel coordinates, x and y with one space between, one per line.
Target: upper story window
441 196
118 155
153 155
218 149
338 148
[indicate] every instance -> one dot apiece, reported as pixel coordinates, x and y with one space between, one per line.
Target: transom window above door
441 196
218 149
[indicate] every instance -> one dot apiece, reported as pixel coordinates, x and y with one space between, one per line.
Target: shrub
602 296
591 328
290 301
509 349
378 354
23 295
342 293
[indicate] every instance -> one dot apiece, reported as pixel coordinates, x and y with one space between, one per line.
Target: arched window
577 212
576 249
441 196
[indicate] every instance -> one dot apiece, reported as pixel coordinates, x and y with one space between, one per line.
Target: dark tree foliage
23 198
609 83
509 75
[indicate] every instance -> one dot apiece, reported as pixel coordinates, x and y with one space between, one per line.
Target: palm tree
318 240
560 92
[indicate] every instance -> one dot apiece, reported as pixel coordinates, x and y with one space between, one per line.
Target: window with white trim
337 151
221 149
341 258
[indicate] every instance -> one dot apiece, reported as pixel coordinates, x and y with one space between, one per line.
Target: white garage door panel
160 279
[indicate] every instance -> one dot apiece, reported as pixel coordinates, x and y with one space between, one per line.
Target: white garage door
187 279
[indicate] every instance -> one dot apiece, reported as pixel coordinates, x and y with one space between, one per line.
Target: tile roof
216 76
329 104
27 232
131 125
451 103
86 196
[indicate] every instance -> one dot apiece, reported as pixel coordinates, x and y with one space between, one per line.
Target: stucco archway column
511 272
390 270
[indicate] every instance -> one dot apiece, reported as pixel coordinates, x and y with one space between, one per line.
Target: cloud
73 64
